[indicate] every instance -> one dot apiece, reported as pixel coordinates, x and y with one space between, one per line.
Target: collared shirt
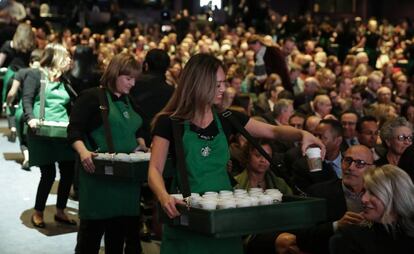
353 200
353 203
271 104
336 165
375 154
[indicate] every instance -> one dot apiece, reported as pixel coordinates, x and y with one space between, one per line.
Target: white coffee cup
196 201
254 201
226 203
277 197
195 195
208 204
265 200
122 157
314 159
239 191
210 193
255 190
243 202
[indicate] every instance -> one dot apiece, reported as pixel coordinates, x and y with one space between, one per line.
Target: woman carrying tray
205 144
108 205
45 151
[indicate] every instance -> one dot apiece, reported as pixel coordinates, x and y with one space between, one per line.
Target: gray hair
281 105
387 130
395 189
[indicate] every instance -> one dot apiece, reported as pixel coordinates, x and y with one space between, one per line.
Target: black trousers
117 232
48 175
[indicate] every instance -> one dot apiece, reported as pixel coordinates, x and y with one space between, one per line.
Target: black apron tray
293 212
134 170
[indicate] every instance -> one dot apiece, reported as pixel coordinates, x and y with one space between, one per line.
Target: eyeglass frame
403 138
358 163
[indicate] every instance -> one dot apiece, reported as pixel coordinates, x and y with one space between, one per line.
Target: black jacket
152 93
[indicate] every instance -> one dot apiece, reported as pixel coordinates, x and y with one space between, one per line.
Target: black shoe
38 224
12 136
69 222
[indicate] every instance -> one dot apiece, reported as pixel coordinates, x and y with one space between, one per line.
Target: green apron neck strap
180 158
104 108
42 95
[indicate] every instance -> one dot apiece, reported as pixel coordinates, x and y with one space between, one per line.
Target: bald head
364 153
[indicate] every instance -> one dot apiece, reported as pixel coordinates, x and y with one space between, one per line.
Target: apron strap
42 96
236 124
180 160
103 106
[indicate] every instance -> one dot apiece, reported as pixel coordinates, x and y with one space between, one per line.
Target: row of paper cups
125 157
228 199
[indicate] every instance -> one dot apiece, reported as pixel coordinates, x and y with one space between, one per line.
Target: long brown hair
196 88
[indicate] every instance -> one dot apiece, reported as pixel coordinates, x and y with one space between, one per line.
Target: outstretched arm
263 130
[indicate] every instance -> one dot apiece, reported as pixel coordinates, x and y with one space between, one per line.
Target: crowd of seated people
355 94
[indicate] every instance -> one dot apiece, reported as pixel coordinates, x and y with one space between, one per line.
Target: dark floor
17 194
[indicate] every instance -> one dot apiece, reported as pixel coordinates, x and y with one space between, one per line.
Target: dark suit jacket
370 240
275 63
316 239
152 93
302 99
303 178
305 109
407 161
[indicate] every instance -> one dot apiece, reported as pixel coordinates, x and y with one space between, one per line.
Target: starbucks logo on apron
126 114
205 151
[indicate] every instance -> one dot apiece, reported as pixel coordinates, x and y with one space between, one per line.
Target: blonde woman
389 210
44 152
205 144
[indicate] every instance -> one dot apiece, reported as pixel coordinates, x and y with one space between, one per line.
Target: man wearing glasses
343 203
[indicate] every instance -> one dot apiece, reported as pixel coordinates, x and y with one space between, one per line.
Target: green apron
44 150
102 197
206 165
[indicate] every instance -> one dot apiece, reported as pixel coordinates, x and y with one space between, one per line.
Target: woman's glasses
404 138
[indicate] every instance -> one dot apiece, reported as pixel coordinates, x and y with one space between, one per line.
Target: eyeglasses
358 163
404 138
